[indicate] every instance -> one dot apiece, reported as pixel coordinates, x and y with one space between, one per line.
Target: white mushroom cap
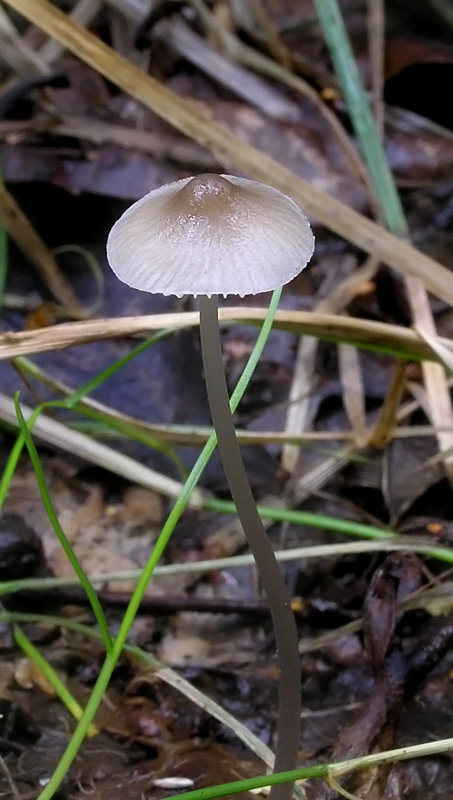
211 234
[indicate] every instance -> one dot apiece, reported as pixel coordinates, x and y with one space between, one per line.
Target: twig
237 79
403 342
10 780
353 391
15 52
384 430
304 370
330 327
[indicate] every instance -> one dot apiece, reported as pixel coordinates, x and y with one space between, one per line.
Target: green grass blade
337 40
41 481
51 676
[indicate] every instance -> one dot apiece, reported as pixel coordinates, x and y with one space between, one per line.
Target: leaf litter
71 155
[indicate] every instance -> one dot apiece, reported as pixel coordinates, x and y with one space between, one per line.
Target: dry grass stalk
324 326
15 52
59 435
304 371
233 76
384 429
353 391
439 409
198 434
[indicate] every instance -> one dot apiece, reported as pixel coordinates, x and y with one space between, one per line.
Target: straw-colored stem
288 734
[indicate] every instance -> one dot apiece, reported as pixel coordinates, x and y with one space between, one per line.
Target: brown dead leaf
102 541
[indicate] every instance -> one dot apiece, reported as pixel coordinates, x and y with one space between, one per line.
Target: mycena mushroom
217 235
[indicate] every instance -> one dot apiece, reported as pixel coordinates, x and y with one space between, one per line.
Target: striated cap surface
210 234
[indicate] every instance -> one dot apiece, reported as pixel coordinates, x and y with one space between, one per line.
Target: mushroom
213 235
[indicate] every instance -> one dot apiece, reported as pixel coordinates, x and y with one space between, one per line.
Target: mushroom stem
288 731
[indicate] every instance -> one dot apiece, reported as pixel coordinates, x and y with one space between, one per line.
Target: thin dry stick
15 52
304 369
235 77
331 327
83 13
297 416
443 354
440 409
9 779
199 434
233 152
384 429
100 132
353 391
271 37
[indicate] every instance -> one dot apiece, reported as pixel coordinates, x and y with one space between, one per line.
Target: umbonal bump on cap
211 234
